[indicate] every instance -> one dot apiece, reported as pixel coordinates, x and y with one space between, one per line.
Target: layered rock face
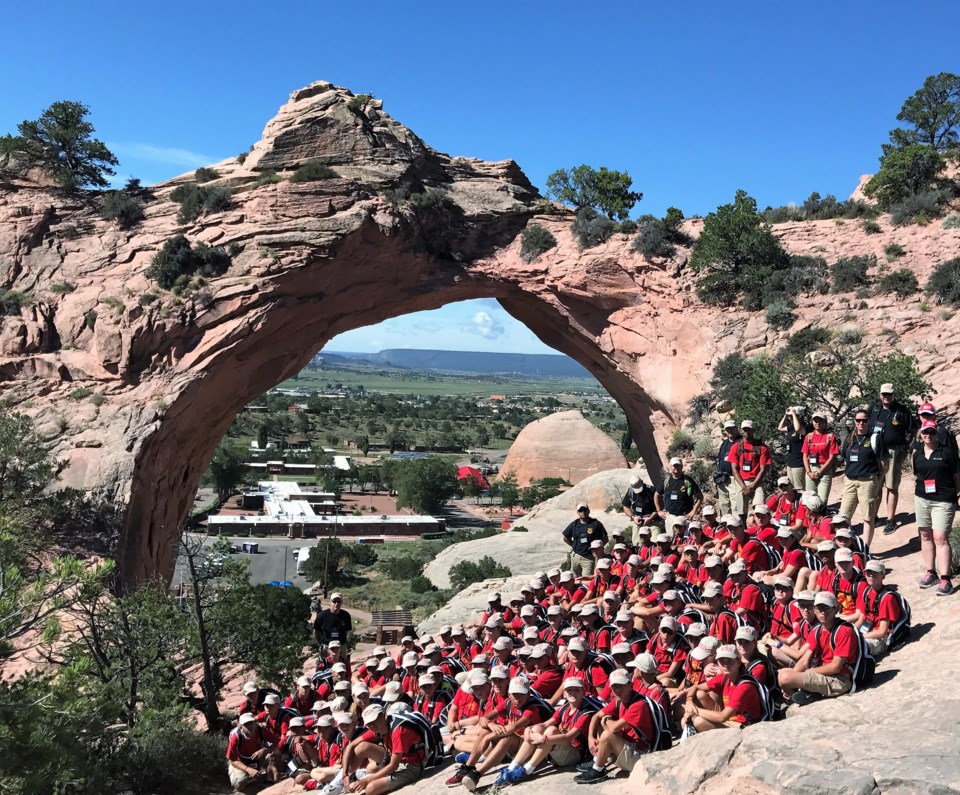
561 445
402 228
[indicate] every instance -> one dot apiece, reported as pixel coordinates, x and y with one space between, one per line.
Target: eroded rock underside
133 386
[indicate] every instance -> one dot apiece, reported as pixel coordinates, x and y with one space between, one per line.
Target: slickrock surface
564 445
315 259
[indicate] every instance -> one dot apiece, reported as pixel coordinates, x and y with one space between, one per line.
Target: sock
529 768
512 766
597 768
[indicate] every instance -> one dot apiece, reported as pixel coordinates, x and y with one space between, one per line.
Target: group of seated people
715 624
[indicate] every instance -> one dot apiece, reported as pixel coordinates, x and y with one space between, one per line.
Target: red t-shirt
783 618
847 647
754 557
431 709
724 627
667 655
656 692
748 457
742 697
548 681
241 749
639 720
569 719
825 579
876 607
530 711
821 528
818 447
468 706
794 557
403 740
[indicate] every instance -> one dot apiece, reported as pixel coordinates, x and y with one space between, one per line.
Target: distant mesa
562 445
533 365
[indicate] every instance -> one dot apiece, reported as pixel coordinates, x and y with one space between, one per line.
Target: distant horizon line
441 350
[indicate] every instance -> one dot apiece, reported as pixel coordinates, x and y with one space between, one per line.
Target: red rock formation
319 258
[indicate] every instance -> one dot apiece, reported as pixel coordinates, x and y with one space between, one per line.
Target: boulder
562 445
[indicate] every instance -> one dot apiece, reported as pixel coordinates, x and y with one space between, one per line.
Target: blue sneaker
503 780
461 758
516 776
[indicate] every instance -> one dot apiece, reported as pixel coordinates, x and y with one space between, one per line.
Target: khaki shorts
238 778
405 774
627 758
828 686
934 514
820 487
565 755
862 493
798 477
730 498
581 566
878 646
891 479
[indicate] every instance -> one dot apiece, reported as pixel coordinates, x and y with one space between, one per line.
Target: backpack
741 621
696 615
813 562
430 739
688 593
455 664
605 661
768 706
866 666
662 739
321 677
768 594
774 693
773 557
900 631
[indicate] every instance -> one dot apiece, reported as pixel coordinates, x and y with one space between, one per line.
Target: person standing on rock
334 623
579 535
750 459
892 421
638 504
937 471
678 497
865 466
796 428
820 451
729 496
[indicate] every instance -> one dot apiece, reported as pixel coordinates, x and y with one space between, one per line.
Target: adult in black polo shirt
729 495
334 623
864 471
677 497
796 428
892 420
638 504
937 471
578 535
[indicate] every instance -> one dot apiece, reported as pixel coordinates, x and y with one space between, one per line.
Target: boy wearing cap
786 506
784 613
392 756
646 681
728 700
253 696
603 580
793 560
847 583
677 497
817 526
579 535
750 459
877 610
431 701
329 744
669 649
820 453
621 731
826 669
303 697
251 753
549 675
300 749
586 665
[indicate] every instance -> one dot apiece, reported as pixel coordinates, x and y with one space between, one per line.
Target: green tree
60 143
736 253
226 471
934 113
905 171
509 490
426 484
602 189
467 572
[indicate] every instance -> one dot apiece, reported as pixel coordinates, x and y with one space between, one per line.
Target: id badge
878 429
673 496
747 467
784 521
854 457
814 460
930 486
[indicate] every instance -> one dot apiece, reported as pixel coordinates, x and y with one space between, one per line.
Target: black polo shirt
679 495
582 534
893 423
862 462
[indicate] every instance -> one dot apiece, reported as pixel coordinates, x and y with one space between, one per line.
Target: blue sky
695 100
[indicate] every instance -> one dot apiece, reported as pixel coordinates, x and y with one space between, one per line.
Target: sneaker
889 528
591 776
929 580
457 778
946 588
583 767
461 758
802 698
516 776
470 780
503 780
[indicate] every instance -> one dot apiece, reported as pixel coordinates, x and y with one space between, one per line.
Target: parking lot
273 561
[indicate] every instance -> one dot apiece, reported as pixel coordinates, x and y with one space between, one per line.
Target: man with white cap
729 496
784 613
392 756
670 649
252 753
866 460
677 497
749 459
563 737
878 610
333 623
729 700
578 535
892 423
620 732
638 503
603 580
820 453
253 696
826 670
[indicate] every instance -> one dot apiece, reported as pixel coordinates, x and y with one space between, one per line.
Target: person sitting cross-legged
391 757
728 700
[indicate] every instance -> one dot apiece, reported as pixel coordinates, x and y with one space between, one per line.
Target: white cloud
169 155
485 325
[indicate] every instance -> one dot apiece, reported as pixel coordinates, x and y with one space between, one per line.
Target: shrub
780 315
62 288
894 251
944 283
98 398
700 405
591 229
653 239
805 341
195 200
421 584
627 227
729 376
148 298
114 303
123 208
803 275
534 241
902 283
205 174
917 208
904 172
467 572
313 171
268 177
680 442
849 336
243 156
849 273
704 448
872 227
12 301
81 392
402 567
358 104
951 222
90 319
178 259
701 471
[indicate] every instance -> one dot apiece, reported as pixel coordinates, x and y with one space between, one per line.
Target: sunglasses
860 419
666 630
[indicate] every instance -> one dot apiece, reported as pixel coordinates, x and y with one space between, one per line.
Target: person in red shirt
431 701
603 580
252 753
253 696
724 625
820 453
328 753
468 704
628 633
845 539
569 592
549 675
670 650
302 700
786 507
762 527
826 669
824 579
691 569
393 756
877 610
666 549
645 681
793 561
563 737
275 717
847 583
620 732
817 526
783 614
750 459
729 699
747 549
586 665
630 579
646 549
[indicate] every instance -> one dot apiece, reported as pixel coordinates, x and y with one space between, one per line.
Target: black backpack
431 740
773 695
900 631
768 706
773 557
865 666
662 740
